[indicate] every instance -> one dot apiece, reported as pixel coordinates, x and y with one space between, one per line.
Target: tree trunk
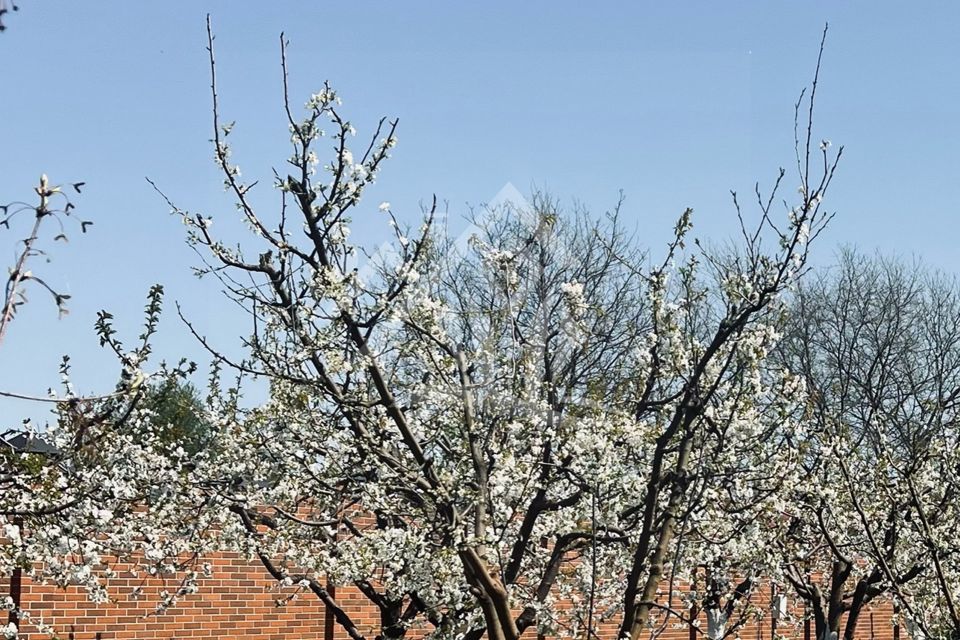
717 620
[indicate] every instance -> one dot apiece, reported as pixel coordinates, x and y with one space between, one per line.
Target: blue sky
674 103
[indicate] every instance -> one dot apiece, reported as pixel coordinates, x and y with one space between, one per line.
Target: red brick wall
239 601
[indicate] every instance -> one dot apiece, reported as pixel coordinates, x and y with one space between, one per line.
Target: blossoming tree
481 436
72 493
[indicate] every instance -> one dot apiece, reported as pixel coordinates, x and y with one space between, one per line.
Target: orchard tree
480 436
105 474
72 493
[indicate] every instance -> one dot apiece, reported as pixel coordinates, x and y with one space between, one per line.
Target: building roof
27 443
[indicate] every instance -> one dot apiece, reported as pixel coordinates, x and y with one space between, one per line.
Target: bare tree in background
879 345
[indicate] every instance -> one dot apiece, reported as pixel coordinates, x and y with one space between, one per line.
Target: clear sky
675 103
